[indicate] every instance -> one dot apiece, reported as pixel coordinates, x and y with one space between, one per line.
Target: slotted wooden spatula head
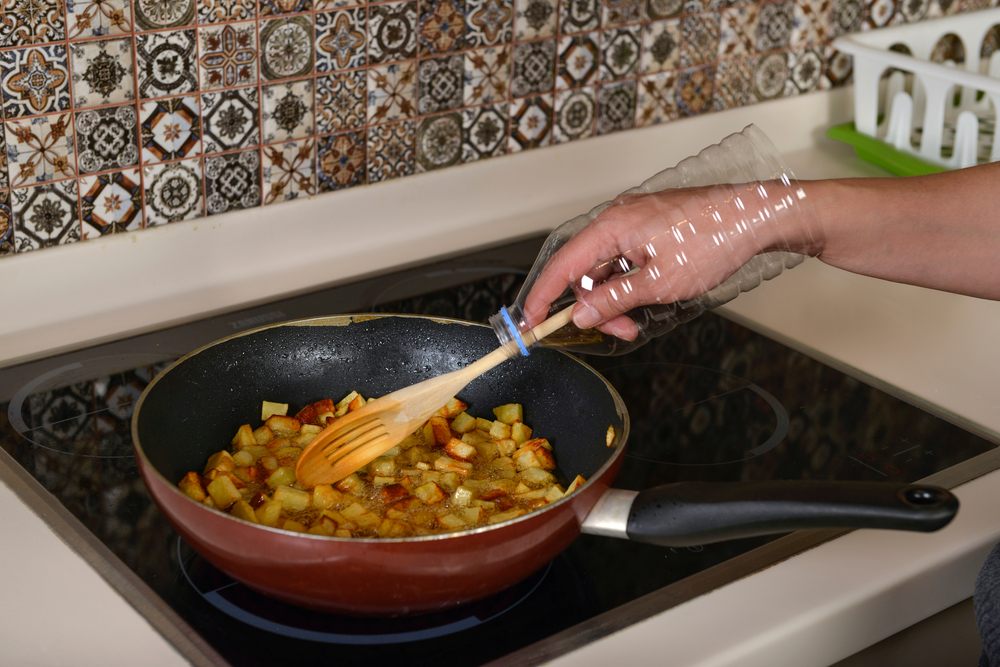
360 437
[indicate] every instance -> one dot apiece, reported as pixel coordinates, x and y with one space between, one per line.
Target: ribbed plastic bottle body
751 189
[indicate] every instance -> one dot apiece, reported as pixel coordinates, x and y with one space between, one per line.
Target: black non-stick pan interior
194 408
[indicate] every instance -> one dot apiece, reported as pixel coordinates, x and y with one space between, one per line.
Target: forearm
941 231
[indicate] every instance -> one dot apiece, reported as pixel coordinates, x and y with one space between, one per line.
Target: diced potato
452 408
462 496
268 463
344 405
448 464
554 493
499 430
463 423
440 429
451 522
533 494
312 413
497 489
537 477
520 432
392 528
430 493
191 485
353 511
292 500
263 435
267 409
307 433
351 484
208 502
487 451
484 424
288 452
243 459
506 447
269 513
283 476
283 426
221 461
256 451
325 496
475 437
391 492
379 480
449 481
383 466
575 484
244 437
242 510
505 467
609 438
249 475
294 526
427 433
525 458
505 516
224 492
457 449
510 413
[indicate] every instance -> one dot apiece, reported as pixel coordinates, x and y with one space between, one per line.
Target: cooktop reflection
710 401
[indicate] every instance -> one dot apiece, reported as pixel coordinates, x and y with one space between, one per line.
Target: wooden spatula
361 436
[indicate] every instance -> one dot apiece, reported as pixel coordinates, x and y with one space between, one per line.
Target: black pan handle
692 513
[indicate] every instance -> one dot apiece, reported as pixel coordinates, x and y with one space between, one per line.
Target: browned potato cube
267 408
242 510
292 500
474 515
457 449
221 461
609 438
351 484
441 430
509 514
537 477
430 493
510 413
344 405
244 437
392 528
520 432
283 476
483 424
463 423
451 522
575 484
263 435
191 485
499 430
283 426
269 513
293 525
452 408
447 464
325 496
224 492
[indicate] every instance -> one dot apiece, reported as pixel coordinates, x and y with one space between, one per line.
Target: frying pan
192 409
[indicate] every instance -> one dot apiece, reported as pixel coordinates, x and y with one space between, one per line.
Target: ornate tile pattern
534 19
227 55
146 112
578 61
441 84
229 120
487 75
341 161
173 192
620 53
439 141
98 18
488 22
579 16
441 26
534 68
341 40
616 104
657 102
286 47
6 225
484 132
45 215
170 129
285 113
102 72
24 22
160 14
392 92
391 150
111 203
167 63
574 115
106 138
34 80
40 149
232 181
340 101
289 170
392 32
531 123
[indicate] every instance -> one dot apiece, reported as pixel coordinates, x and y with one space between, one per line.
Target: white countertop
813 609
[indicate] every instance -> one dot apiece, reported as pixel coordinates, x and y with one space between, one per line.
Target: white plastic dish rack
938 112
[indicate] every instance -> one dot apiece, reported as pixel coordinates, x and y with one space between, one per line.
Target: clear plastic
736 194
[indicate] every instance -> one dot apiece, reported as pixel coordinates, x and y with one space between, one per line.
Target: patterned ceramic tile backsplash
125 114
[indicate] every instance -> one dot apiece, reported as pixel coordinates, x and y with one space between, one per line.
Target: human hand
682 243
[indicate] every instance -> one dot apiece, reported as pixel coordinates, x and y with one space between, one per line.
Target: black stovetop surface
712 400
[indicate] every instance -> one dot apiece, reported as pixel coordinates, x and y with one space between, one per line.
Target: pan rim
618 443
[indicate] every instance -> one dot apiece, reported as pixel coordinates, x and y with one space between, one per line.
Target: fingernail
586 316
